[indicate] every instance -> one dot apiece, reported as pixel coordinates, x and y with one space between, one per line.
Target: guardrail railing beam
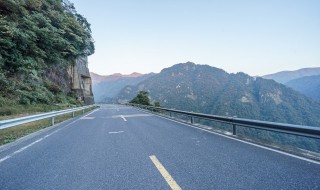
18 121
299 130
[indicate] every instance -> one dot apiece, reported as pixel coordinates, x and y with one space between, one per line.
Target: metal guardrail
300 130
18 121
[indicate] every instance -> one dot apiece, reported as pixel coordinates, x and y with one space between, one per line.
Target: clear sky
252 36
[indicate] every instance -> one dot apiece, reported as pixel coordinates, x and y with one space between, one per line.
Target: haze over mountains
309 86
286 76
305 81
105 88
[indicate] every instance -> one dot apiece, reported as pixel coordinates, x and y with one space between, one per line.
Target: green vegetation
156 104
11 109
142 98
39 40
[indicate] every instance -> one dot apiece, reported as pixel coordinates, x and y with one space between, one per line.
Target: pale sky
253 36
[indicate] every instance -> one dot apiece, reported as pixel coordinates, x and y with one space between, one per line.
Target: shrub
157 104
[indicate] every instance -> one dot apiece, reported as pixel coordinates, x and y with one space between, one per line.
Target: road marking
3 159
132 115
233 138
165 174
124 119
138 115
48 135
87 118
113 108
20 150
89 113
116 132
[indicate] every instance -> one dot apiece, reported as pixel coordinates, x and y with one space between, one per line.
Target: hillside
205 89
105 88
285 76
309 86
40 43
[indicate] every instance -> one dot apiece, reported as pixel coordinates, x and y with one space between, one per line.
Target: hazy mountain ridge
106 87
205 89
310 86
285 76
96 78
304 81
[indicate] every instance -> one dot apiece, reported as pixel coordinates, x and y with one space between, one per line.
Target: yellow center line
165 174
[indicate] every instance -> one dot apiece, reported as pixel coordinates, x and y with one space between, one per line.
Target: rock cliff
81 82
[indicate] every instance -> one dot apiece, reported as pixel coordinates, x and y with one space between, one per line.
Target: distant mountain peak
285 76
116 74
134 74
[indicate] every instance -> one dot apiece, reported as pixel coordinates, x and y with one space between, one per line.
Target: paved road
123 148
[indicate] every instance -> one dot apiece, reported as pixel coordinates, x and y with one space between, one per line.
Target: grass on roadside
10 109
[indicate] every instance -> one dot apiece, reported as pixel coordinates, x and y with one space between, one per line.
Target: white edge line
4 158
233 138
31 144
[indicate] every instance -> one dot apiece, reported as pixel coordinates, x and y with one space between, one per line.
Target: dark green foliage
156 104
37 36
37 33
142 98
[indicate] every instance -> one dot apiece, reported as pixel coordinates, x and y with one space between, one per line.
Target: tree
156 104
141 98
38 37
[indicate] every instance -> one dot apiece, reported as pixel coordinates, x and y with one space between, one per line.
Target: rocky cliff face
81 82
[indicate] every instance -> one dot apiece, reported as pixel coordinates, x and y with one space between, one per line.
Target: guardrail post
234 129
82 110
170 114
52 120
191 119
73 114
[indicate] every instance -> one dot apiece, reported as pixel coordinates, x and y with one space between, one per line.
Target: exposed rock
81 82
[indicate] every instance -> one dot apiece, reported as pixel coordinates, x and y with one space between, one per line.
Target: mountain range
309 86
305 81
286 76
106 87
206 89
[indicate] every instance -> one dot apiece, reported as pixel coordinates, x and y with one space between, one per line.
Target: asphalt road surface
118 147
